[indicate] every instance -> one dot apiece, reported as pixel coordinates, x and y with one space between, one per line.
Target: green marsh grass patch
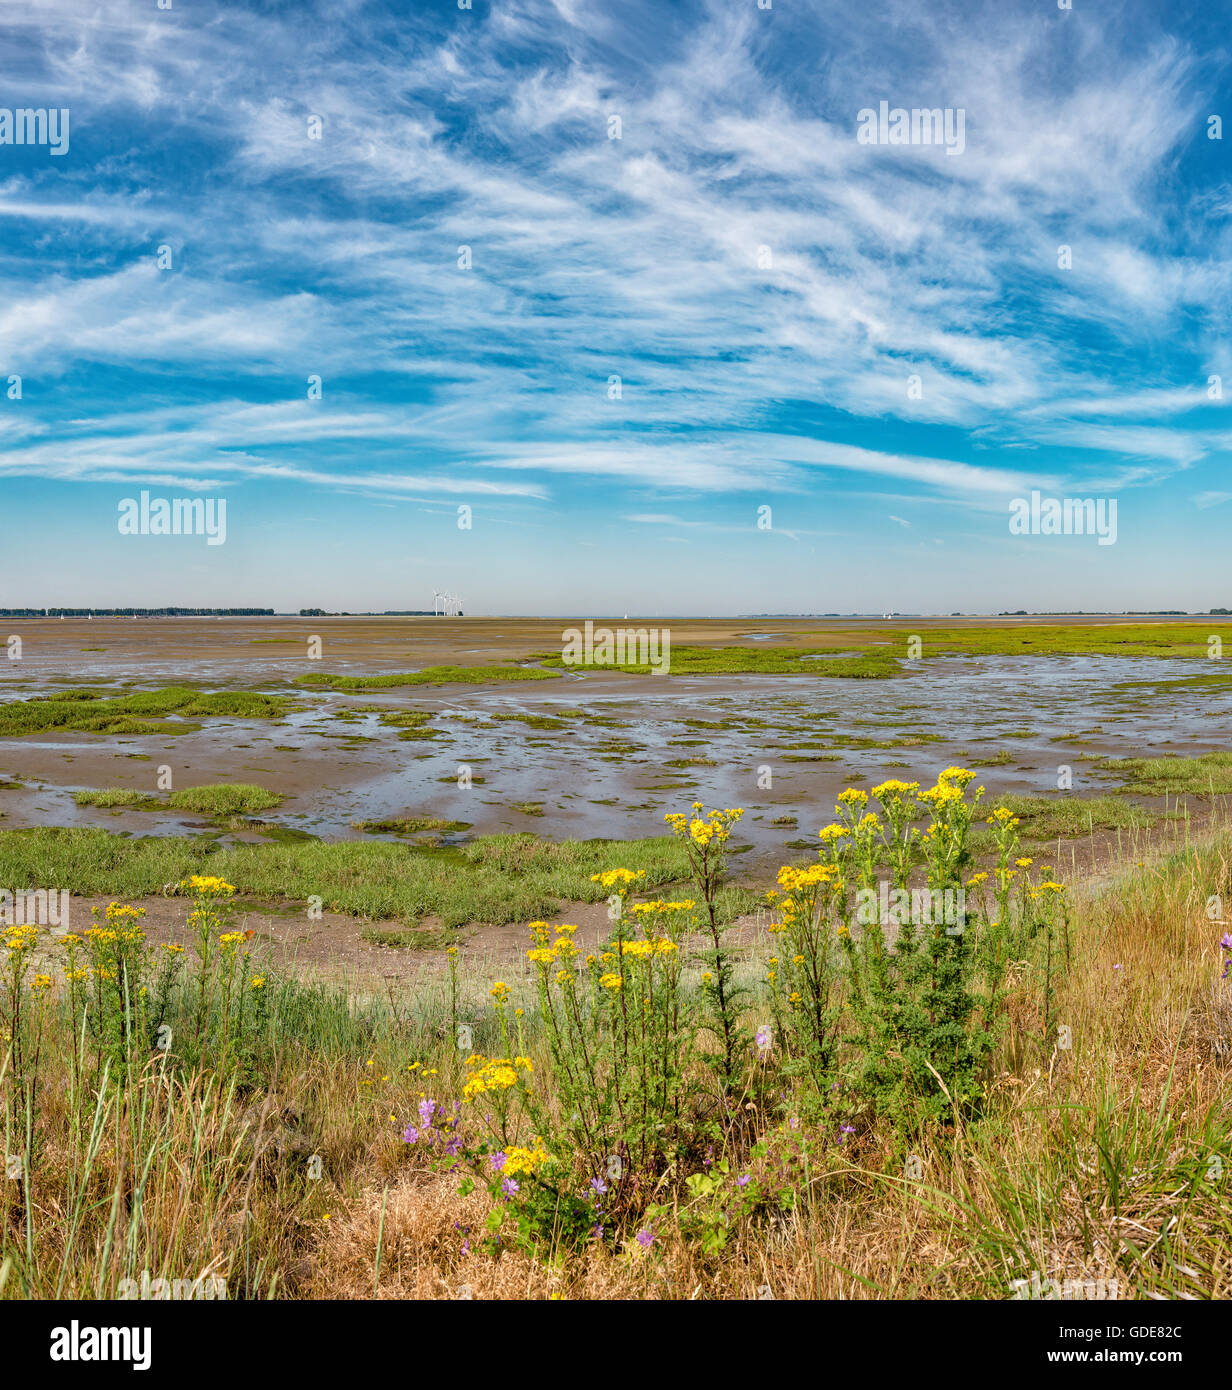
1064 817
493 879
752 661
409 825
114 796
1208 774
147 712
224 799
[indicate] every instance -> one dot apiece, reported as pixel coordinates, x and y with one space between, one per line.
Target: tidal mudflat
493 736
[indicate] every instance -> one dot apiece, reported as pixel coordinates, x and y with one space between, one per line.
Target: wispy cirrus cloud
733 297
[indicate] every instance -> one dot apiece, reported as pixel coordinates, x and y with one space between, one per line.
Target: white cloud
595 257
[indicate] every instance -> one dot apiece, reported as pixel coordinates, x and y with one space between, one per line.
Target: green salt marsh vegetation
409 825
143 712
110 797
1172 639
493 878
1208 774
1060 816
753 661
218 799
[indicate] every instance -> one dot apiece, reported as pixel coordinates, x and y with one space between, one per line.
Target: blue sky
747 380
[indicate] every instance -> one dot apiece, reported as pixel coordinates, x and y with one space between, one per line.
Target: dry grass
1089 1166
1100 1160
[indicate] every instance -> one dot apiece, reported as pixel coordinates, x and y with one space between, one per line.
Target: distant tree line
1102 613
136 612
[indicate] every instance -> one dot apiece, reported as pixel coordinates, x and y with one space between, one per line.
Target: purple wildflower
427 1108
742 1180
645 1239
411 1134
509 1187
845 1130
497 1161
598 1186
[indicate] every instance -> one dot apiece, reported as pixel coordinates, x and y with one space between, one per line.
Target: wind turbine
436 603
